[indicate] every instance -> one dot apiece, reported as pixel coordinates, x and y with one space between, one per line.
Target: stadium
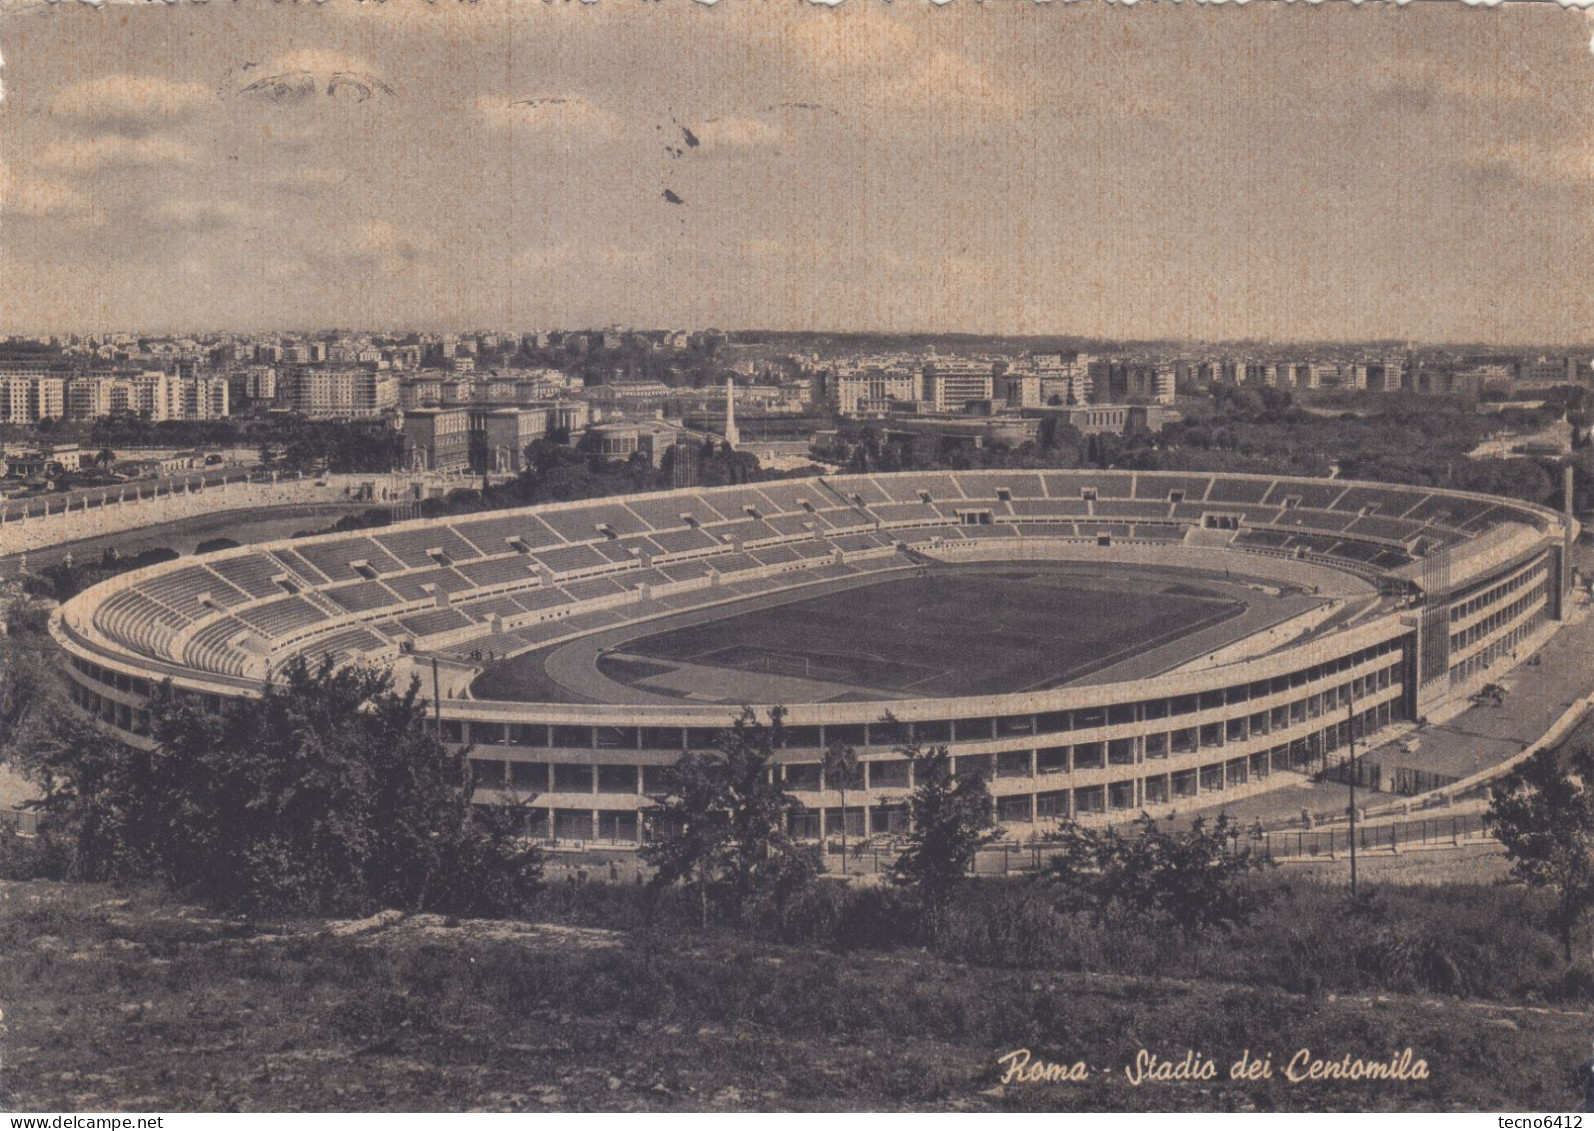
1096 643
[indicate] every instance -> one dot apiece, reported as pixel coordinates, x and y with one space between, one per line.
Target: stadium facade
1432 591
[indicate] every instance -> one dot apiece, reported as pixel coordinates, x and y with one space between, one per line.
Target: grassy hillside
128 1001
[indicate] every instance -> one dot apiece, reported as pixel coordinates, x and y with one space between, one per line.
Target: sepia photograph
764 555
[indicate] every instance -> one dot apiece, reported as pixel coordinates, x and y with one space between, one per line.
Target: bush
329 794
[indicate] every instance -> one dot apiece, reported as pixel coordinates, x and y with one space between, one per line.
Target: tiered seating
488 607
1390 502
302 571
732 563
181 589
1355 551
1314 496
413 586
1271 539
492 535
1163 487
685 571
1448 511
620 553
273 594
1018 485
1389 529
800 522
1049 508
636 579
991 531
280 618
920 534
212 647
334 558
1224 490
1113 508
909 512
788 498
591 588
662 513
496 571
139 622
1313 520
412 546
568 559
747 530
1107 484
683 541
344 644
536 600
852 542
253 573
434 621
362 596
858 489
581 523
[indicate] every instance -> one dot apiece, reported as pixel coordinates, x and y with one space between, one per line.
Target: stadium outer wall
1098 752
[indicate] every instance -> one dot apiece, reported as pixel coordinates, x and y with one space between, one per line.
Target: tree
1543 813
329 794
949 822
721 822
1190 880
841 767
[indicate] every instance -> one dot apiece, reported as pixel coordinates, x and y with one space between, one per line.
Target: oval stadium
1097 643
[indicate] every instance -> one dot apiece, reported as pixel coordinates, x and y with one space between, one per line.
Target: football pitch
949 632
959 630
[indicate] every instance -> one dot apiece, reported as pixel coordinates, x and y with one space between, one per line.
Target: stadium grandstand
1301 612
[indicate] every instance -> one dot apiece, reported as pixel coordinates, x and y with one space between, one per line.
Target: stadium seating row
602 549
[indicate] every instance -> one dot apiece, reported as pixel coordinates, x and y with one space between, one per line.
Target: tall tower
733 436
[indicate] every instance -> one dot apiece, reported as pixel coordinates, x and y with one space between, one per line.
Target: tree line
333 792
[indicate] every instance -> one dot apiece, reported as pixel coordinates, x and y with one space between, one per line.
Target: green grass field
951 632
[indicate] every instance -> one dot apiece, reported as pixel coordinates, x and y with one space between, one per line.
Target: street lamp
1351 719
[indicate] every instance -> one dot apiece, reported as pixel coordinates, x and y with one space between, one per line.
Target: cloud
576 256
564 117
306 180
892 66
42 199
737 133
84 155
840 45
132 106
947 79
1567 162
319 61
377 245
200 215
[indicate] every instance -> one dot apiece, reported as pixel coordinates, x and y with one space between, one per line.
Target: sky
1193 171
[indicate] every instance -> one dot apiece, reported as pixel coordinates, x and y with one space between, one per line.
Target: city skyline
1303 174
